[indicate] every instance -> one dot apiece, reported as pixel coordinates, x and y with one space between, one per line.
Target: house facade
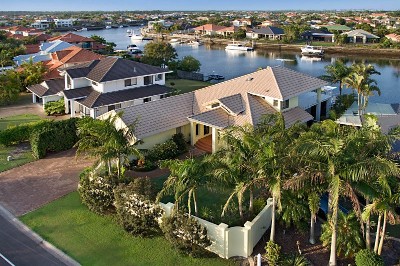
99 86
361 36
269 32
201 116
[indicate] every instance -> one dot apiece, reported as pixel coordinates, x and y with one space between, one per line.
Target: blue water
235 63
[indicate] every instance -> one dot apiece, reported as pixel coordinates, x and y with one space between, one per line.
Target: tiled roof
295 115
71 38
38 89
229 29
111 68
81 70
78 93
217 117
360 32
48 87
233 103
75 54
32 48
209 27
96 99
269 30
159 116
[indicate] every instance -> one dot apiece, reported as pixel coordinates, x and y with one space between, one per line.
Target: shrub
54 108
54 137
294 210
136 213
186 234
273 253
349 237
96 191
180 142
366 257
294 259
163 151
17 134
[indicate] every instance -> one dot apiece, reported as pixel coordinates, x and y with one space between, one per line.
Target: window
285 104
110 107
118 106
148 80
68 82
162 96
197 129
148 99
134 81
275 102
206 130
178 130
159 77
128 82
214 105
94 83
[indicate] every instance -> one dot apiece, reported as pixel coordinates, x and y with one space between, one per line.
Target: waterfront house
96 87
208 29
319 35
393 37
361 36
80 41
203 114
228 31
271 33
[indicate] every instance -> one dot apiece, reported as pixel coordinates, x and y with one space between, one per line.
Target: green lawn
21 156
185 85
16 120
95 240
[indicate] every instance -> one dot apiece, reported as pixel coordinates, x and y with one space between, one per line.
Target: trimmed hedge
163 151
55 108
53 137
21 133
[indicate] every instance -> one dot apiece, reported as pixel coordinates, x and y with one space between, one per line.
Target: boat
238 46
215 77
133 49
135 36
108 27
84 29
310 50
174 41
195 43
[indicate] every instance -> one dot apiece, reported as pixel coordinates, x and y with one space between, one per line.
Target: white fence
229 242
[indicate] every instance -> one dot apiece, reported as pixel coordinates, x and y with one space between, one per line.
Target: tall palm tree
336 73
100 139
185 178
336 151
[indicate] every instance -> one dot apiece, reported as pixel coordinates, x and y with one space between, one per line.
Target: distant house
208 29
318 35
202 115
96 87
272 33
241 22
337 28
80 41
361 36
227 31
393 37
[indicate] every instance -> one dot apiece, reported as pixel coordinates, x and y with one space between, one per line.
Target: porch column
33 97
66 105
72 103
214 134
318 111
192 133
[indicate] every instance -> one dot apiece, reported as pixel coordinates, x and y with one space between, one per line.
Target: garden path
28 187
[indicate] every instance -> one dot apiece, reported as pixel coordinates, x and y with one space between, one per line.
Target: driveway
26 188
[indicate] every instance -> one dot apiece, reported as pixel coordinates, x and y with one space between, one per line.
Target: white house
203 114
99 86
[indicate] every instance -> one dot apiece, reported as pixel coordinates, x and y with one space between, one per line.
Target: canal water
231 64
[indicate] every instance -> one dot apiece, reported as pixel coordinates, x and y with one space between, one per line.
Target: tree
98 39
10 85
341 21
336 72
360 80
189 64
100 139
185 178
239 34
159 53
32 73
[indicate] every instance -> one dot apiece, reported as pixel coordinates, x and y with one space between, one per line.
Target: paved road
19 249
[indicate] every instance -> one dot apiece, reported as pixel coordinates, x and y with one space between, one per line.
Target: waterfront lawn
186 85
17 120
98 240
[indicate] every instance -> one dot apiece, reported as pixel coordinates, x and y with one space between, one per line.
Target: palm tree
336 151
100 139
185 178
336 72
360 80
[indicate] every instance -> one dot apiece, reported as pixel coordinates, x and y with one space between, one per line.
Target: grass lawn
95 240
16 120
22 157
185 85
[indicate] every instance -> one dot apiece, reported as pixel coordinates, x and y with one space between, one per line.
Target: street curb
35 237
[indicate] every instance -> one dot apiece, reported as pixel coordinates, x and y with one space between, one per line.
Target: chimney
134 69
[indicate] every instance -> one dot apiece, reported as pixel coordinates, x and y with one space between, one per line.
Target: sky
167 5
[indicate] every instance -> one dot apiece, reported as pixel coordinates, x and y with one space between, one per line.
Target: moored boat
238 47
310 50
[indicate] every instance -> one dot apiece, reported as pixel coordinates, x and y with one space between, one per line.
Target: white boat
195 43
312 50
108 27
174 41
84 29
238 46
133 49
135 36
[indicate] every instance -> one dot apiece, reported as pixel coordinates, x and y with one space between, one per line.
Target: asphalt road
16 248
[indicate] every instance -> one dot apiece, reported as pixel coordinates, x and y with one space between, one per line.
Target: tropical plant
101 139
10 85
349 240
366 257
294 209
31 73
53 108
272 253
336 73
185 178
294 259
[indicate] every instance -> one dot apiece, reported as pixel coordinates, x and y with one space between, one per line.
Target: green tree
31 73
336 73
239 34
159 53
101 139
185 178
98 39
10 85
189 63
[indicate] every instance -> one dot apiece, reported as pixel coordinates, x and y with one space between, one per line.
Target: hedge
55 108
17 134
54 137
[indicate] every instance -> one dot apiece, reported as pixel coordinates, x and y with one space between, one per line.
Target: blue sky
77 5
